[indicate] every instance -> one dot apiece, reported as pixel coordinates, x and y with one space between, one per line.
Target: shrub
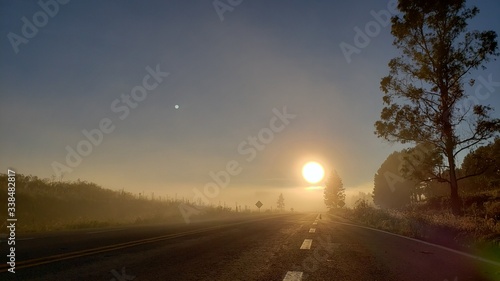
493 210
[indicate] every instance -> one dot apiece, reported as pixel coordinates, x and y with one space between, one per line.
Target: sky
88 90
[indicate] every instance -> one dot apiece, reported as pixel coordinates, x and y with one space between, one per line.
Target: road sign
259 204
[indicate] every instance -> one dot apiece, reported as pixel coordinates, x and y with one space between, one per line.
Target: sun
313 172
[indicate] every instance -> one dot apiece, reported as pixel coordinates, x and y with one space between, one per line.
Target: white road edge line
426 243
28 238
106 230
306 245
293 276
312 230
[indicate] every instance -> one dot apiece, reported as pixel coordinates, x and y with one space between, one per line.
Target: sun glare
313 172
314 188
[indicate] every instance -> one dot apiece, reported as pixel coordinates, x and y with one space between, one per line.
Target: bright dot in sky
313 172
176 106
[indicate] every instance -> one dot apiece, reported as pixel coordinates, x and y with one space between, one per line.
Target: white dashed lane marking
306 245
293 276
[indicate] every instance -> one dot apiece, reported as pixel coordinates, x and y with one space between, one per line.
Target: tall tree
281 202
334 193
424 90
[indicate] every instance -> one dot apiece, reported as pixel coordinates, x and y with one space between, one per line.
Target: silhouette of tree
334 194
485 163
424 91
391 189
421 163
281 202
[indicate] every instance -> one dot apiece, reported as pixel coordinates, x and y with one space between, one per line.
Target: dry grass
436 226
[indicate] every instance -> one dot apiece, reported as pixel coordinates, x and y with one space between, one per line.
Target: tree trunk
446 107
456 203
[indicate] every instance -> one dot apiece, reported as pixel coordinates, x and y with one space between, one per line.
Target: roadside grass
43 205
440 227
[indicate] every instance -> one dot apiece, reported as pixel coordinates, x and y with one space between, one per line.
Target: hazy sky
75 66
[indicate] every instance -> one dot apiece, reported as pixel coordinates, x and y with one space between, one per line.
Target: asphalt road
266 248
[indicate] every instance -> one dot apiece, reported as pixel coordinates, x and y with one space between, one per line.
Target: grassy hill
45 205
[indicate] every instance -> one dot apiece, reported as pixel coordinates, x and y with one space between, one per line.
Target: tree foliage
391 189
281 202
334 193
422 163
485 163
424 90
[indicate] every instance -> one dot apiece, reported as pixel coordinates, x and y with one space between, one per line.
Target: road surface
284 247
